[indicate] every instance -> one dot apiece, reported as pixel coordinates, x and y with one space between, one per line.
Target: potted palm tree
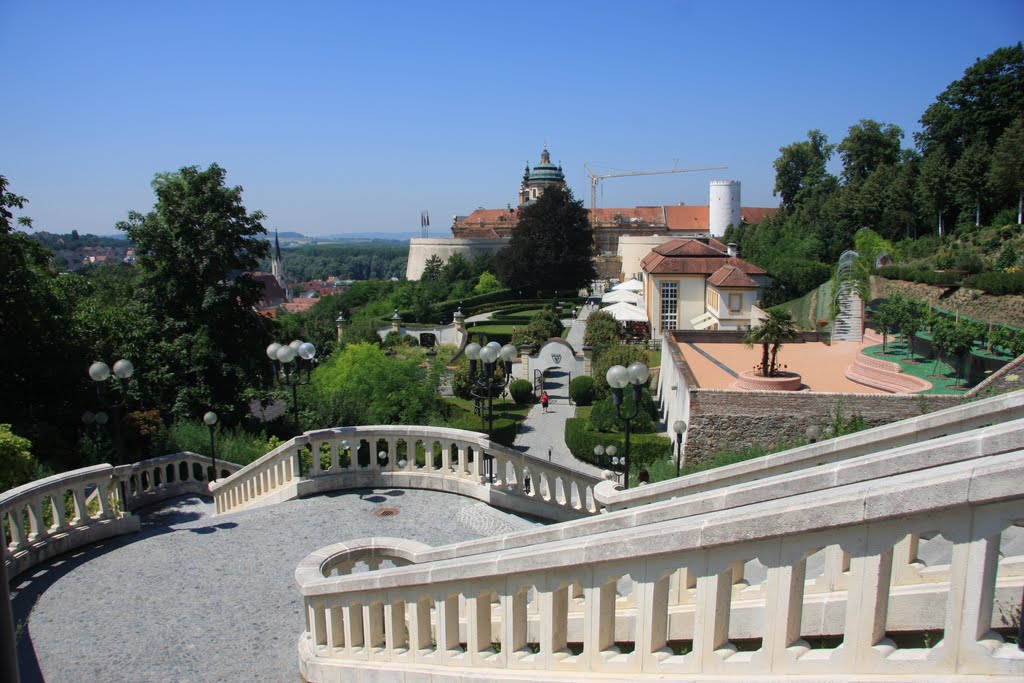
774 330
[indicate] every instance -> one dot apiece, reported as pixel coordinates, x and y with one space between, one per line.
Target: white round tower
723 206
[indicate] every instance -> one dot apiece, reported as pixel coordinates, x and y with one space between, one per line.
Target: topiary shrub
581 390
522 391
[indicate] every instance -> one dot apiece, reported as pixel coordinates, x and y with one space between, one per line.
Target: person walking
544 399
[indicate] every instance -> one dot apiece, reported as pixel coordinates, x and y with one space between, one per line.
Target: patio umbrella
630 286
624 312
623 295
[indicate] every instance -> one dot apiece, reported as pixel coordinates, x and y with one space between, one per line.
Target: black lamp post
288 375
211 420
483 366
618 377
100 372
679 427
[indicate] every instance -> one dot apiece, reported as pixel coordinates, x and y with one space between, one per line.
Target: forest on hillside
354 260
962 172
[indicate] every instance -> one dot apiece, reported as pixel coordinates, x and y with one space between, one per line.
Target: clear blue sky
354 116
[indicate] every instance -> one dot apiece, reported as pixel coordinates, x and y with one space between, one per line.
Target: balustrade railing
915 430
820 584
50 516
416 457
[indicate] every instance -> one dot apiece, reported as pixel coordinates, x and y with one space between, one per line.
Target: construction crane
596 178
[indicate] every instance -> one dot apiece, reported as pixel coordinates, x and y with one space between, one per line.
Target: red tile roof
694 257
730 276
683 218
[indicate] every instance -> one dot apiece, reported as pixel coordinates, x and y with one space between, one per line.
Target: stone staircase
849 322
881 374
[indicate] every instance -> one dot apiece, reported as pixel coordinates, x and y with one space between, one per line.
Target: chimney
733 249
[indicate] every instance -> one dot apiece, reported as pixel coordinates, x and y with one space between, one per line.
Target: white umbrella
624 312
630 286
623 295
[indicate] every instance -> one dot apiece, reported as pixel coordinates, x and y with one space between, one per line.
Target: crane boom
596 178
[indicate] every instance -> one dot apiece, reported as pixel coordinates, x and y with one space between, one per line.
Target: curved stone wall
422 248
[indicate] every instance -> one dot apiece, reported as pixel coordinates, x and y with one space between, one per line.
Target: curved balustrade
414 457
817 584
59 513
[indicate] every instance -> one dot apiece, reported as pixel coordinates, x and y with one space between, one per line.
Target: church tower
277 264
544 175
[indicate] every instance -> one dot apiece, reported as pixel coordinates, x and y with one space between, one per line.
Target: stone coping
84 475
929 426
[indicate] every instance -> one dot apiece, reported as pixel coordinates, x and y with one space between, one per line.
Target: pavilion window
669 305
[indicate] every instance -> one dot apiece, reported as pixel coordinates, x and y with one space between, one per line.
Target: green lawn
942 377
507 417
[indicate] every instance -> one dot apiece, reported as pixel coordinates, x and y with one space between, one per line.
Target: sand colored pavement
820 366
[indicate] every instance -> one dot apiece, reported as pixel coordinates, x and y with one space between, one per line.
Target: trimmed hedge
521 391
997 282
581 390
644 448
926 277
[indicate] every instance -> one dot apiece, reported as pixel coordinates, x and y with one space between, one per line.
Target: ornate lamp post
483 366
812 433
618 377
288 375
211 420
99 372
679 427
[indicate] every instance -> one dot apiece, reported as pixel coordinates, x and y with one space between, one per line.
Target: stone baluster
476 471
316 466
684 585
428 454
478 626
332 448
599 622
373 563
318 623
394 628
81 511
868 601
421 641
15 525
784 603
514 624
373 614
335 624
554 624
103 497
651 597
738 581
837 567
36 528
352 616
448 627
711 615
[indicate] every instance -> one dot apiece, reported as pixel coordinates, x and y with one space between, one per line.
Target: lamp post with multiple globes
289 361
483 366
618 377
100 372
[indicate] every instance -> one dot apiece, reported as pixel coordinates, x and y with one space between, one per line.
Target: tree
544 325
776 328
800 168
603 331
952 339
934 187
969 177
887 316
16 461
1006 173
551 247
432 268
867 146
487 284
197 250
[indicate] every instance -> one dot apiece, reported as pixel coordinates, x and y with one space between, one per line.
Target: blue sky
342 117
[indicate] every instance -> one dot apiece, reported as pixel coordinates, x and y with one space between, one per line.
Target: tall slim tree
198 248
1006 173
800 168
551 247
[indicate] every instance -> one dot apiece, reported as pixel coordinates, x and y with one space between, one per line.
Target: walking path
199 598
543 434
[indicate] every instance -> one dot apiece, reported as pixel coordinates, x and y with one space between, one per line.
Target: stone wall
732 420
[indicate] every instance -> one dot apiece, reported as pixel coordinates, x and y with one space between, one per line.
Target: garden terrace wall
725 420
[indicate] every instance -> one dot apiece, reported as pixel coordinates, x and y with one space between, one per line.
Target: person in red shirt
544 399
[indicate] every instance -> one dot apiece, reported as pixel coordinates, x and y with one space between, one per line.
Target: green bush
604 416
522 391
581 390
644 448
997 283
927 277
235 446
16 461
620 354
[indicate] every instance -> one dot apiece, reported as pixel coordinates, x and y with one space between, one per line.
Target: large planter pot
783 381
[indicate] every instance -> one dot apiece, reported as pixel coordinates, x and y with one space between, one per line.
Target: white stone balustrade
54 515
416 457
840 592
915 430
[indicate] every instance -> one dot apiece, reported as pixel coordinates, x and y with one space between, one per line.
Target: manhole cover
385 512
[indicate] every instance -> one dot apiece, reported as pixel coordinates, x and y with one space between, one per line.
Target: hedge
644 448
521 391
997 282
581 390
926 277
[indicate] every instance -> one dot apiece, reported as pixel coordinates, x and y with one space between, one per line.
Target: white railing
956 420
827 583
414 457
50 516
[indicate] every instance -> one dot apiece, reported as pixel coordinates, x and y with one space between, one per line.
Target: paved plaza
199 598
